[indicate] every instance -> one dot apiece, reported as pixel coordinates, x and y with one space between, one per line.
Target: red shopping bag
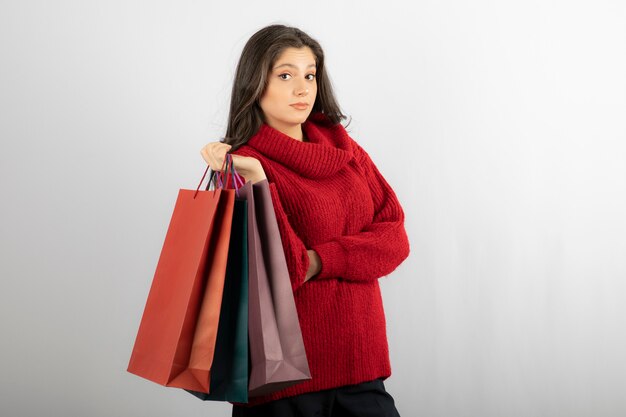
175 342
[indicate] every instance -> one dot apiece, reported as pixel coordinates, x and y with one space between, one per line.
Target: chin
302 116
297 119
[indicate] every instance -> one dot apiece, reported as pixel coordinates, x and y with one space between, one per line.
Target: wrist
255 174
255 178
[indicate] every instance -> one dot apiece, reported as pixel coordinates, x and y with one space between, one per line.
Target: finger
214 154
221 150
205 155
219 154
209 157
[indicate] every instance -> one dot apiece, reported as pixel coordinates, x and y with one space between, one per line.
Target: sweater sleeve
295 251
379 248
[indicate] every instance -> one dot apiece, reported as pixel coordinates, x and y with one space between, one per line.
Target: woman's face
291 80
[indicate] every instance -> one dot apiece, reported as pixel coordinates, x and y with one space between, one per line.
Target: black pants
368 399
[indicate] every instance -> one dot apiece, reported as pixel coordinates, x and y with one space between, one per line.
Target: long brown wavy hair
257 58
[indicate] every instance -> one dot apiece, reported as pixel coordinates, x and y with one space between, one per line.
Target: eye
290 75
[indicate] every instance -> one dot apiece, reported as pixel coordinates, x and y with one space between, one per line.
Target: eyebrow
292 66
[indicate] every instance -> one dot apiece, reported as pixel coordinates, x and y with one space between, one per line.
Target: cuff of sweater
333 257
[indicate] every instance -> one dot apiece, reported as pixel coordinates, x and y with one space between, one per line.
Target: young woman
341 225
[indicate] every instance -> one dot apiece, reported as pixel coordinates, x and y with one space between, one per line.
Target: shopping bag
176 339
277 353
229 373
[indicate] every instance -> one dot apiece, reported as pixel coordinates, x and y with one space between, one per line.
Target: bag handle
213 175
230 167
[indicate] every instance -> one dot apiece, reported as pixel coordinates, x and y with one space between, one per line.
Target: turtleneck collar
327 150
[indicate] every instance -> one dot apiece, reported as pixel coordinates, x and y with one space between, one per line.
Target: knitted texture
329 196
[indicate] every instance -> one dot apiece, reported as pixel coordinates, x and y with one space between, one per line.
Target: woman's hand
315 264
248 167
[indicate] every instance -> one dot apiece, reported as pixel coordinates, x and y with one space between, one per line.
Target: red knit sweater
329 196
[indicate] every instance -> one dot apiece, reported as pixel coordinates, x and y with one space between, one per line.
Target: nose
302 90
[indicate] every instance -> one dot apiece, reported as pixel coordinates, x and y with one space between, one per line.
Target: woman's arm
302 263
379 248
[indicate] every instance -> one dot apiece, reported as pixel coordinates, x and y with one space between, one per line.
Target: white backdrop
501 126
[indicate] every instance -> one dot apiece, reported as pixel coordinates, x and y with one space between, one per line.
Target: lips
300 106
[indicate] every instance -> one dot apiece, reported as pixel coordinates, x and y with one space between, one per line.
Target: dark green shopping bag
229 372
